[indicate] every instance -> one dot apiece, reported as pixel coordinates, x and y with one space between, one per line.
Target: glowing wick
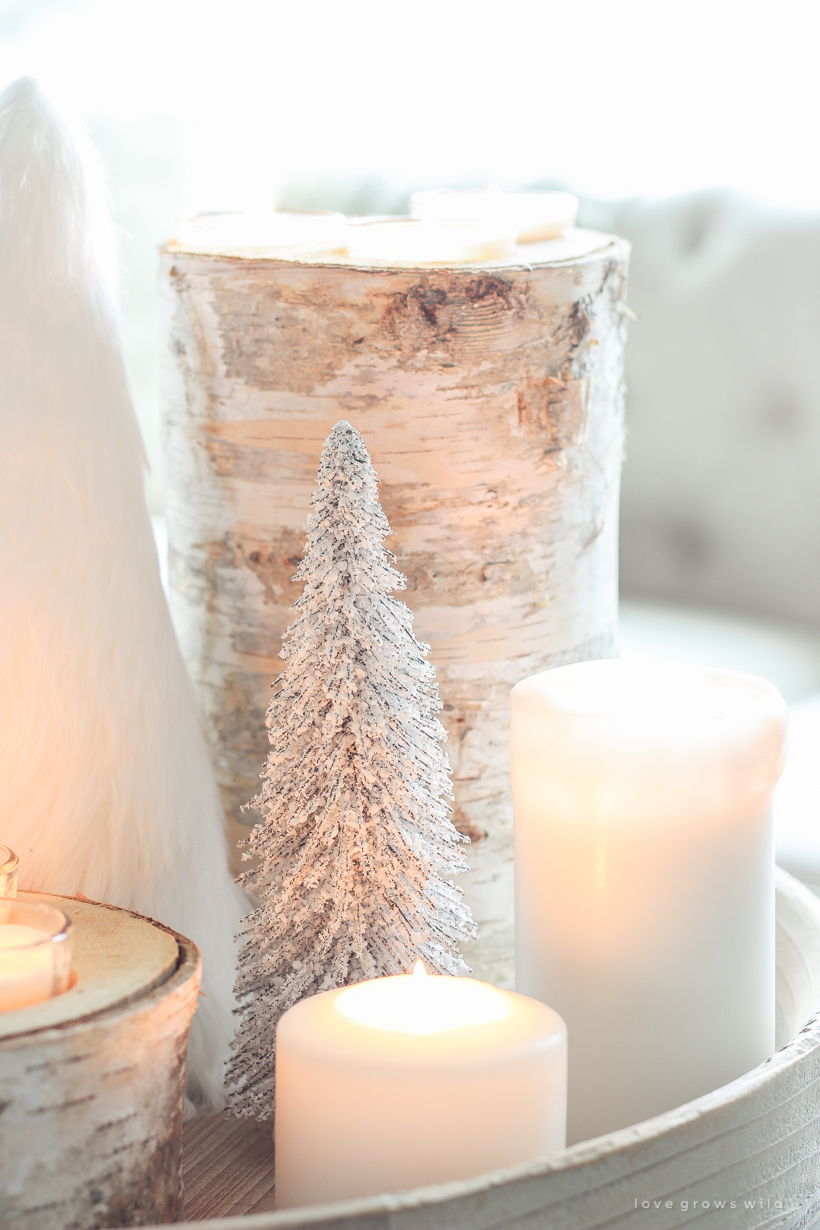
419 1003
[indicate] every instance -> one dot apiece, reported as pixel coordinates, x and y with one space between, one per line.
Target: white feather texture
106 787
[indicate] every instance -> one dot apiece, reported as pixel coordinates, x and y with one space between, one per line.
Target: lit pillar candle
644 877
406 1081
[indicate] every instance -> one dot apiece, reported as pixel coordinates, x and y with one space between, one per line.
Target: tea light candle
9 866
644 877
405 1081
280 233
405 241
294 235
35 953
533 216
25 966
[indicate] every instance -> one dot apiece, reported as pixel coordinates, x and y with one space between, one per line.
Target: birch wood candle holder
91 1081
755 1142
490 398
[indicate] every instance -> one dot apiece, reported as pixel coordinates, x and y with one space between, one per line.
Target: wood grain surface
491 400
227 1167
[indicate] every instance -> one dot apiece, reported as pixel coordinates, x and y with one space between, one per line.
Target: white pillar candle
644 877
401 1082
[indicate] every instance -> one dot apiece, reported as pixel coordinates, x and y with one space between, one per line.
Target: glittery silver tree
356 847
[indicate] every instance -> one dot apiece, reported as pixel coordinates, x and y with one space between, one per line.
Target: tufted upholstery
721 490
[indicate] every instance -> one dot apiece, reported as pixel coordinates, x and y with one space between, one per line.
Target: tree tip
345 447
343 428
345 434
21 91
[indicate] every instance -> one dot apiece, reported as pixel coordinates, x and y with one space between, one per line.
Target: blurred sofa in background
721 489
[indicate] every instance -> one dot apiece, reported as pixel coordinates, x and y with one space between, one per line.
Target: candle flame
418 1003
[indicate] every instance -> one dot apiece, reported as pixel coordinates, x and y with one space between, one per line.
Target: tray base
227 1167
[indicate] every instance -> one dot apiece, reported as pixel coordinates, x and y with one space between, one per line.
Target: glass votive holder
9 862
35 953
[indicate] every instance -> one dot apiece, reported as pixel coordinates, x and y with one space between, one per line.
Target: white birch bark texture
491 401
91 1082
748 1154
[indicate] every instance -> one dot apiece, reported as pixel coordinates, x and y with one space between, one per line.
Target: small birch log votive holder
92 1080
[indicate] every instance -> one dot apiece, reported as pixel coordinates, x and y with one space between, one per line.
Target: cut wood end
574 245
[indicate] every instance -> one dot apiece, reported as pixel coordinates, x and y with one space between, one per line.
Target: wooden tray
755 1141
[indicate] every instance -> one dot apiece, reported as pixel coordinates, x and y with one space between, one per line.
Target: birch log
91 1082
491 400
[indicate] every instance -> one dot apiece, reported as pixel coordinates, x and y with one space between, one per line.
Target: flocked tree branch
356 847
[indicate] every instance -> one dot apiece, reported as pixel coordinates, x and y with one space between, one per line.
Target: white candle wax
644 877
26 973
406 1081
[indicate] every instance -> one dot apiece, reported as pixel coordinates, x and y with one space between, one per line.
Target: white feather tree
356 845
106 786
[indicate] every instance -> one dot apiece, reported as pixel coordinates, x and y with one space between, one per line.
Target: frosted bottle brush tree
356 845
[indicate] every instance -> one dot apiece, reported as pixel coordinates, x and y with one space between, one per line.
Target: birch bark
91 1082
491 400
